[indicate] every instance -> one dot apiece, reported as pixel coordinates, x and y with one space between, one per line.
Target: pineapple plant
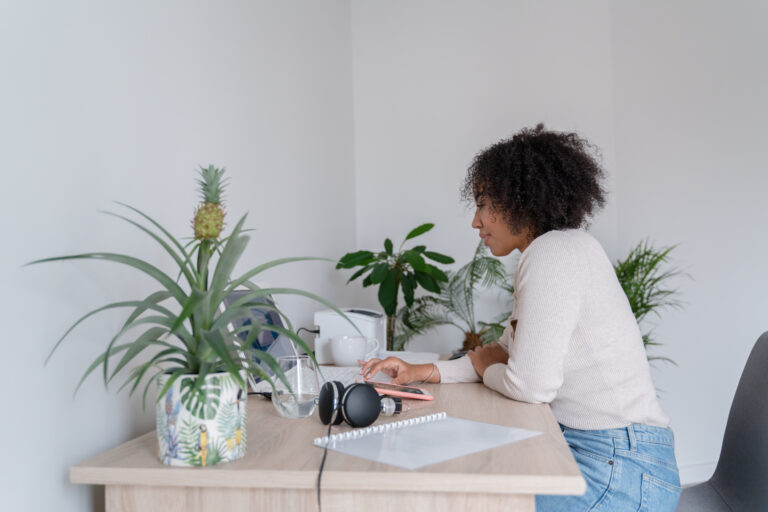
191 348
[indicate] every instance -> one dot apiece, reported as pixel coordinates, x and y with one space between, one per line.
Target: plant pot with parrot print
201 427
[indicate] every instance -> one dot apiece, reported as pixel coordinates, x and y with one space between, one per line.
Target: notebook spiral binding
378 429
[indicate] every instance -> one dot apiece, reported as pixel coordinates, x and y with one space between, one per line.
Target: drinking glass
300 399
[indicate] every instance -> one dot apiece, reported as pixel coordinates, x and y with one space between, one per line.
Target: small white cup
347 350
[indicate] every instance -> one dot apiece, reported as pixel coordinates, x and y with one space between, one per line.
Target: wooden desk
279 471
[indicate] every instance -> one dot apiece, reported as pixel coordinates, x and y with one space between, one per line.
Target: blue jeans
630 469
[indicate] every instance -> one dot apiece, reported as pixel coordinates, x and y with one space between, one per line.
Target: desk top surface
280 454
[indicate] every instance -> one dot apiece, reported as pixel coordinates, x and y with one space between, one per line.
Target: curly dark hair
538 179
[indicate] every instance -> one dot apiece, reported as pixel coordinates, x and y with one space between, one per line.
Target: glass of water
298 400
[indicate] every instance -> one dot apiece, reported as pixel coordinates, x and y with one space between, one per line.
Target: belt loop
632 440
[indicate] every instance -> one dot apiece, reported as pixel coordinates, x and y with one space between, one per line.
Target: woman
572 340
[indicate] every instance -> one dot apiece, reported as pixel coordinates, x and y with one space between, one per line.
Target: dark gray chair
740 481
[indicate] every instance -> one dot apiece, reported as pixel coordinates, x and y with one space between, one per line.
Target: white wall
691 129
122 101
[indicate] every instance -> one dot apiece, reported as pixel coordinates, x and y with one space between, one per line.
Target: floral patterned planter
201 428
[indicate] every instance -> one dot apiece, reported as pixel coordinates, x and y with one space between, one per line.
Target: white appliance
372 324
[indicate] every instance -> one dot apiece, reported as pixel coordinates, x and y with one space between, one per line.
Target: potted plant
455 305
644 282
186 343
391 270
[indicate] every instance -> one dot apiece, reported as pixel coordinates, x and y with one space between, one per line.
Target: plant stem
203 257
391 319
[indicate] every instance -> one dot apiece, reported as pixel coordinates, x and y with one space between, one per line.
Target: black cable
322 463
311 331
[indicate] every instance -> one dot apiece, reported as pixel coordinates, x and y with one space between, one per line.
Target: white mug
347 350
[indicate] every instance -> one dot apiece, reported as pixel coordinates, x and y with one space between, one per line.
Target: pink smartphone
401 391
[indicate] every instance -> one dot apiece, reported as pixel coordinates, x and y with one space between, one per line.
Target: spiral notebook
422 441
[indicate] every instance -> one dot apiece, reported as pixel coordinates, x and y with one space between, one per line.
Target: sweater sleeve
550 285
461 369
457 370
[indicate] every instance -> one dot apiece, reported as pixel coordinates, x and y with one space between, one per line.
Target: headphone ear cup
329 401
360 405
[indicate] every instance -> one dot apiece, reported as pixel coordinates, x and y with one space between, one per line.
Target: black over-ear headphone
359 404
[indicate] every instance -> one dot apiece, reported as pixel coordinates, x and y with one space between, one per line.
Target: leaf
160 320
225 318
138 372
141 306
388 246
265 266
440 258
491 331
274 367
419 248
233 249
420 230
642 279
194 299
217 342
98 361
409 284
454 305
388 293
191 275
426 313
354 259
427 282
296 339
147 339
358 273
415 260
174 375
152 271
380 271
436 273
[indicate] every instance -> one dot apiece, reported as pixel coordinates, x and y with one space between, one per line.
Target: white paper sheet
412 444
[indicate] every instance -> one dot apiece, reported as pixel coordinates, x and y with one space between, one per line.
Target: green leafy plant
644 280
455 304
192 334
391 270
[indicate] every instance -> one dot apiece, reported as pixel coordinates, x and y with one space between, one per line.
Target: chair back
741 476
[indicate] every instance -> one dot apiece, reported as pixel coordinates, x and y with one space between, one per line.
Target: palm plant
455 303
391 270
644 282
192 334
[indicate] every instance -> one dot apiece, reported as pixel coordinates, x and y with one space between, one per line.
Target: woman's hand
400 371
485 355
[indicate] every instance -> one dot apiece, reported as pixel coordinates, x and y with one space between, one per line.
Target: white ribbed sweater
572 340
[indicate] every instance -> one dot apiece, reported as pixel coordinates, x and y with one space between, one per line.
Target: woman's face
495 232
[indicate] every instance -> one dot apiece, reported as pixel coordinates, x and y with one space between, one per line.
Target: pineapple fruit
209 216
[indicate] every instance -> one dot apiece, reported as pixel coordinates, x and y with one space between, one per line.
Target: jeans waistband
632 433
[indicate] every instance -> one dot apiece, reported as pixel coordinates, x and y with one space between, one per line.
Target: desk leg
129 498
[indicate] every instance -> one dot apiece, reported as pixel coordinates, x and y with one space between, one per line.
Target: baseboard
695 473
